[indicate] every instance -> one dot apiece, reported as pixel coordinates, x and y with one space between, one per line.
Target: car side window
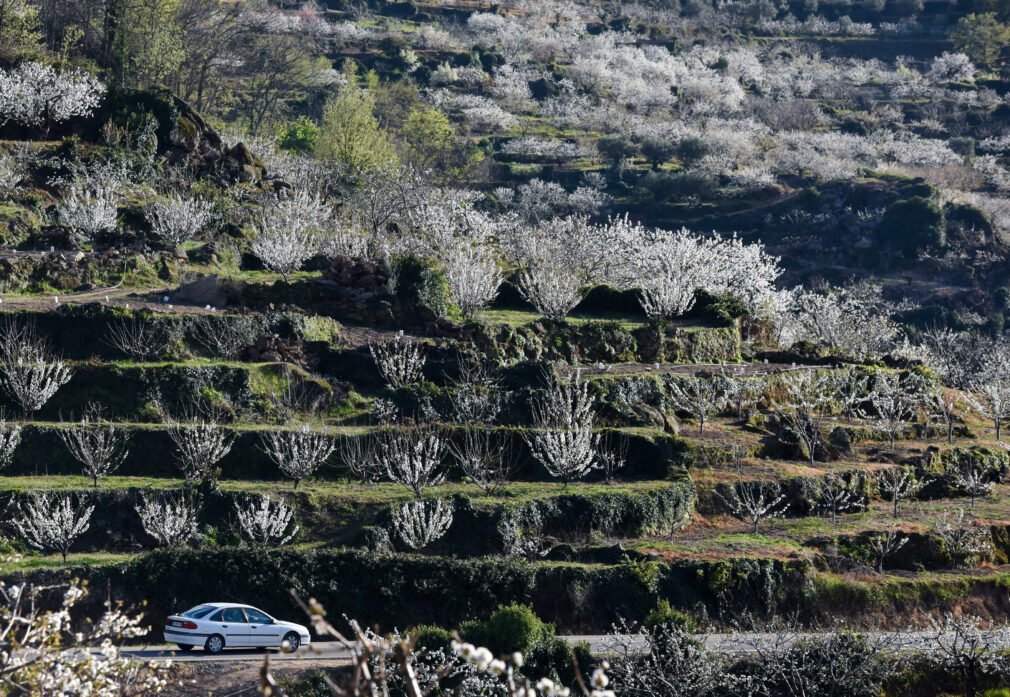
255 615
233 614
216 617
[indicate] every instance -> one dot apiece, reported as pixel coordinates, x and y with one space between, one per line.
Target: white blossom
419 522
199 444
178 219
263 521
38 95
399 361
562 439
52 521
169 520
298 453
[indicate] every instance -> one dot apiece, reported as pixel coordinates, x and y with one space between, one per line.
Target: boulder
204 291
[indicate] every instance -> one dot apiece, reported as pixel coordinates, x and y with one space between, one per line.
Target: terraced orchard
420 480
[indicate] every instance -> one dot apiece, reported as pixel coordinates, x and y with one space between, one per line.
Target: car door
263 631
234 626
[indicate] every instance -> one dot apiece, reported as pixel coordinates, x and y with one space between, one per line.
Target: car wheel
293 642
214 644
185 647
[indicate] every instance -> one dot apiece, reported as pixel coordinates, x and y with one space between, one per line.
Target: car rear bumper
183 636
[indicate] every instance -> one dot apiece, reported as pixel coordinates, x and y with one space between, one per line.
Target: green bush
511 628
553 658
428 637
664 615
913 224
423 285
299 135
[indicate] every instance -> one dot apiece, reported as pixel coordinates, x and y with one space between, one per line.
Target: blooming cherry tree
263 521
52 521
29 371
199 444
298 453
419 523
169 520
99 446
40 96
178 219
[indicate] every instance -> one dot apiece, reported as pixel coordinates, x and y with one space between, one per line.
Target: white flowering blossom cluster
38 95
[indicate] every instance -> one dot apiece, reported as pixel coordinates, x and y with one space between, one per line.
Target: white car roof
223 605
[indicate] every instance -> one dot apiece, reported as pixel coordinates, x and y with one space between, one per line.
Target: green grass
378 494
518 318
55 561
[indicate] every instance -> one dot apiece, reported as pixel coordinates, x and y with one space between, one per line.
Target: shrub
430 637
664 615
913 224
511 628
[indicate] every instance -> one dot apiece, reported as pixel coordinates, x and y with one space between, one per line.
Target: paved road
334 652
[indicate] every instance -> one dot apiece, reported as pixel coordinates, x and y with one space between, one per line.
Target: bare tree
137 337
485 457
965 542
806 407
227 336
562 439
885 543
298 453
171 521
700 397
837 496
200 444
944 404
413 457
899 483
972 479
399 361
360 456
263 521
753 502
611 455
100 446
52 521
419 523
475 395
29 371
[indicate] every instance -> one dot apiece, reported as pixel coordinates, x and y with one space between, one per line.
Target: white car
216 626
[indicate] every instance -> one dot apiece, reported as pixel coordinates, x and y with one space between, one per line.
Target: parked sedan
216 626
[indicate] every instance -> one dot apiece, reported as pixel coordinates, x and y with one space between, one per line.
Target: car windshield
198 611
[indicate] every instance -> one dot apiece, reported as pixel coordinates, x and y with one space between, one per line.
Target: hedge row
398 590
